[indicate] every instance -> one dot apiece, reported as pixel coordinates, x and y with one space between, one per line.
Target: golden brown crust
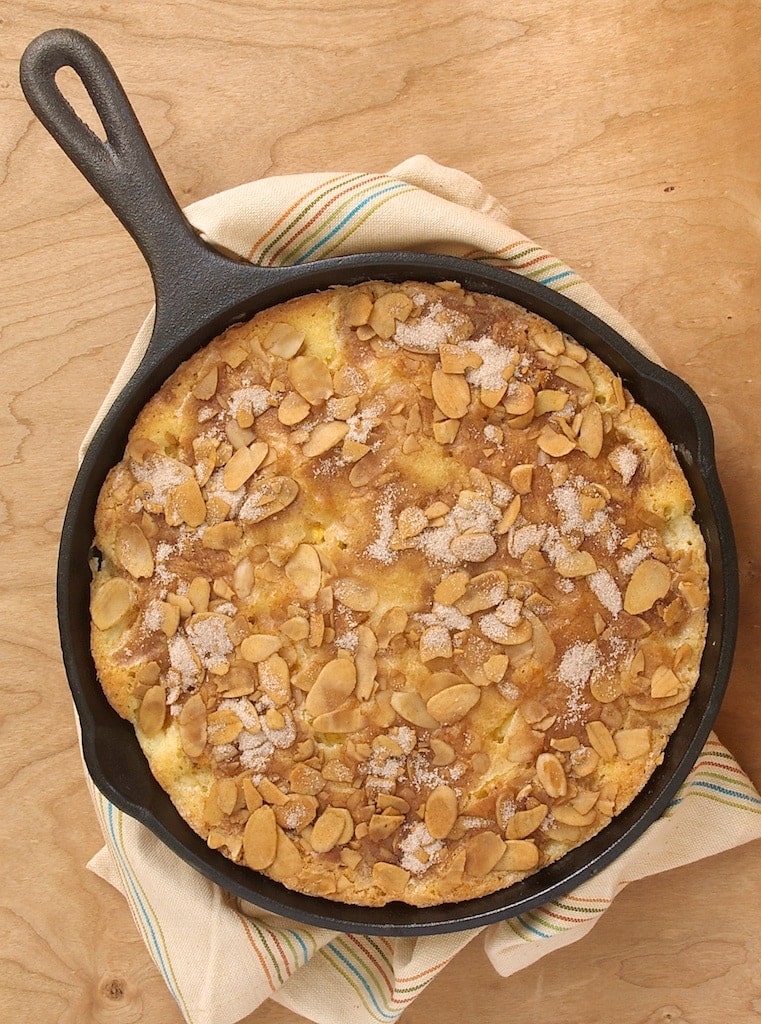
401 591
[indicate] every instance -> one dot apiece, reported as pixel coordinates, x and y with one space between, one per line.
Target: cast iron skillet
199 292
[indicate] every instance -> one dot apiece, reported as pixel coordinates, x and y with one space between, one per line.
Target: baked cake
401 590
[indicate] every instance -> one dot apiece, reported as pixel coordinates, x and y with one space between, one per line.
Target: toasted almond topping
550 401
568 815
445 431
192 723
601 740
244 464
520 398
573 564
441 812
410 706
356 594
520 855
133 551
457 360
454 703
435 642
473 547
152 710
390 878
359 306
330 829
293 409
664 682
523 823
633 743
387 310
207 385
267 498
283 340
260 838
575 375
334 684
451 393
521 478
484 851
221 536
554 444
324 437
550 773
304 570
451 588
111 601
259 646
311 378
650 582
591 433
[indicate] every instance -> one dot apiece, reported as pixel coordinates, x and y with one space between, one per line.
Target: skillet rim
694 448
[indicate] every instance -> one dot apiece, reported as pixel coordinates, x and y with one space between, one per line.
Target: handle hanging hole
71 87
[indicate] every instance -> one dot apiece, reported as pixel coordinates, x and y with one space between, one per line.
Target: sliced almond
572 564
550 773
359 306
283 340
356 594
591 433
244 464
473 547
519 855
334 684
445 431
568 815
259 646
520 398
550 401
522 823
457 360
221 536
601 741
293 409
206 386
649 583
275 680
260 838
311 378
111 601
483 853
576 375
152 711
486 590
391 878
451 393
269 497
664 682
454 703
633 743
452 588
133 551
304 570
410 706
435 642
387 310
192 725
554 444
330 829
382 826
324 437
441 812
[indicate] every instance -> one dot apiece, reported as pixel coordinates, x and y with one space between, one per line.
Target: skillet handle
124 172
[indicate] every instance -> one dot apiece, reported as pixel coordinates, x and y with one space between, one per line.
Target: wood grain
621 136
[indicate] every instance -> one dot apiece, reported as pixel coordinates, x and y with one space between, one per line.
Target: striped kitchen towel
221 958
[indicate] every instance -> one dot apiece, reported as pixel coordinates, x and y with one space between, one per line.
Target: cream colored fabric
220 959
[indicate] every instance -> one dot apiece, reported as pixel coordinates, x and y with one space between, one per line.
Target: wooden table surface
623 137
